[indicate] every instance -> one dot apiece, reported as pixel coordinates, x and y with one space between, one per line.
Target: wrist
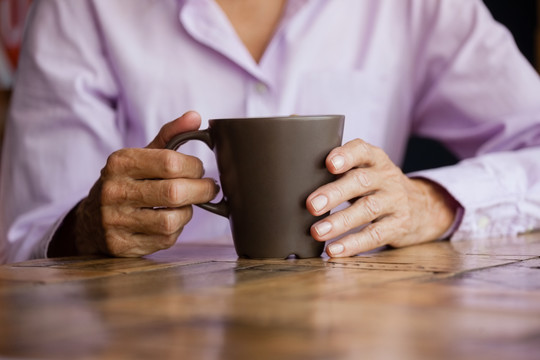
88 230
441 209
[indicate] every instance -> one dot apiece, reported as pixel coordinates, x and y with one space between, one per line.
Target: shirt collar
207 23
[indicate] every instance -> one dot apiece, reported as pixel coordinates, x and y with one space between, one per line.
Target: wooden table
463 300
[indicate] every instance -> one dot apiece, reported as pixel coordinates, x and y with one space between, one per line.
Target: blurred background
522 17
12 16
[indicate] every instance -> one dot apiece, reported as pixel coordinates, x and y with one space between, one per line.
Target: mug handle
220 208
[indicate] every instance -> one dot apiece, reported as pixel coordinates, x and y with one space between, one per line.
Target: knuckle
359 177
176 164
338 191
171 163
375 235
169 223
173 193
111 192
116 161
374 154
108 219
355 243
371 207
186 214
362 146
346 219
116 243
173 224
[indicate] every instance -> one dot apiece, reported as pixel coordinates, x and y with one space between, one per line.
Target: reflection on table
442 300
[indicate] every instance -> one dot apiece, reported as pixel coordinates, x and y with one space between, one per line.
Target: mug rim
282 118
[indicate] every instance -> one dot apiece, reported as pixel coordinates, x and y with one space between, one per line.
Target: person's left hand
396 210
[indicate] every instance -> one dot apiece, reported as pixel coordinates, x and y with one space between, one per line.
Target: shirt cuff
458 217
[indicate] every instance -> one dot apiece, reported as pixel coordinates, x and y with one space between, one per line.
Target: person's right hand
143 199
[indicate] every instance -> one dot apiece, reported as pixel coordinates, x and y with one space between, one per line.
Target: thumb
190 121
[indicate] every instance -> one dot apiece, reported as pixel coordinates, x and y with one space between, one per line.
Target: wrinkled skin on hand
394 209
143 198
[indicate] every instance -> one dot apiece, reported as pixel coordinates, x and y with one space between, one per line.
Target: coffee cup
268 166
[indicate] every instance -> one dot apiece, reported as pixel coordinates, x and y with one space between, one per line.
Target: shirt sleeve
480 97
62 125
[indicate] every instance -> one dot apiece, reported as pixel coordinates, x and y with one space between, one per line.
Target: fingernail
338 161
323 228
319 202
335 249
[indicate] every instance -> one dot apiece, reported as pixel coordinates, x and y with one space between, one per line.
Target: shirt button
261 88
483 222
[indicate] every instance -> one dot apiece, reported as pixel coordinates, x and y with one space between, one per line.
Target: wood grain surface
442 300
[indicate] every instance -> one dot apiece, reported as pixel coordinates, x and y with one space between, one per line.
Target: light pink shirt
99 75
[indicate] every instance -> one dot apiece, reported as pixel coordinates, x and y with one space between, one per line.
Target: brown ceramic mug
268 167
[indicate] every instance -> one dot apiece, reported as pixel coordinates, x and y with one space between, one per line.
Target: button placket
259 99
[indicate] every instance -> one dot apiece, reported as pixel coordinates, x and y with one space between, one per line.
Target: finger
159 193
152 164
161 221
361 212
123 243
355 153
369 238
355 183
190 121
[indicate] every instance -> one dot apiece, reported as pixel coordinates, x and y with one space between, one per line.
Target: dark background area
520 17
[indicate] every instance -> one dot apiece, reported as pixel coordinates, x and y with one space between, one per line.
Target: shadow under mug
268 167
